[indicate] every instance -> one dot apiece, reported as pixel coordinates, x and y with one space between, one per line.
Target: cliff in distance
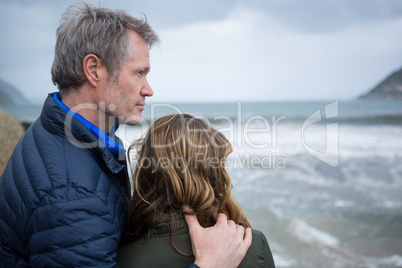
389 89
9 95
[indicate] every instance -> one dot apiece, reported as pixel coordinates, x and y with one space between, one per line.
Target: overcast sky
225 50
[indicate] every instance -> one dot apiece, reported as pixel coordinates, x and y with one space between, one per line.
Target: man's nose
147 90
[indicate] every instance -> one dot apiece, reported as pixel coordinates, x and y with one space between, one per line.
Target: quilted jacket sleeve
74 228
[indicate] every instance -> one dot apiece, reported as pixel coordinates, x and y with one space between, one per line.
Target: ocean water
322 180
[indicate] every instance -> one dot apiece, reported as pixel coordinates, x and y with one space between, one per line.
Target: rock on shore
11 131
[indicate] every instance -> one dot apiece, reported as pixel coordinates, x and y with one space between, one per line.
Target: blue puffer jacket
61 205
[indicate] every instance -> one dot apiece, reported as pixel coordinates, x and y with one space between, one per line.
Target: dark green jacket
158 251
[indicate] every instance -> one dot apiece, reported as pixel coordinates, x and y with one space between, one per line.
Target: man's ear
94 69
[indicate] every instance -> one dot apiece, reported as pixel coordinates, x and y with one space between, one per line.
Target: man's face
125 98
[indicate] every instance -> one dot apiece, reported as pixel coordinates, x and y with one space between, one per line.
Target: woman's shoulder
157 249
259 254
258 237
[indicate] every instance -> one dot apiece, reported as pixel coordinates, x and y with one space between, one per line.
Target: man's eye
140 73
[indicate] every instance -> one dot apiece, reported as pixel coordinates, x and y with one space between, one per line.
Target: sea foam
311 235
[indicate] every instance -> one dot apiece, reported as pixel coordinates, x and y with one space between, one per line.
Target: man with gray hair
65 190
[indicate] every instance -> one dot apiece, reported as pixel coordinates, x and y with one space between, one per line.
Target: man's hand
220 246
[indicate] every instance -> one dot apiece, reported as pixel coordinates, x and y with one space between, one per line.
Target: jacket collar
163 225
61 122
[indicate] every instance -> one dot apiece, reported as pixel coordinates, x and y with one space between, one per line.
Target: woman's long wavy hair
181 160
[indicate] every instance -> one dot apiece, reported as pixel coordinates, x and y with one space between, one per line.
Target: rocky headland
388 89
10 95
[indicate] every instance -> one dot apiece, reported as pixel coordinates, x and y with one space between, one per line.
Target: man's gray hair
85 29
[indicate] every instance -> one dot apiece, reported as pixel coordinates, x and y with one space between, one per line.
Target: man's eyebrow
146 69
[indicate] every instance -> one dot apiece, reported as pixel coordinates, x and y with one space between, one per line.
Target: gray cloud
306 15
318 43
328 15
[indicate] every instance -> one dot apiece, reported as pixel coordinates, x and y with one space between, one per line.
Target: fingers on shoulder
192 221
240 231
222 219
248 238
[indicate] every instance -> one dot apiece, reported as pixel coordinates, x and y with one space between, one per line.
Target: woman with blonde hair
181 161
